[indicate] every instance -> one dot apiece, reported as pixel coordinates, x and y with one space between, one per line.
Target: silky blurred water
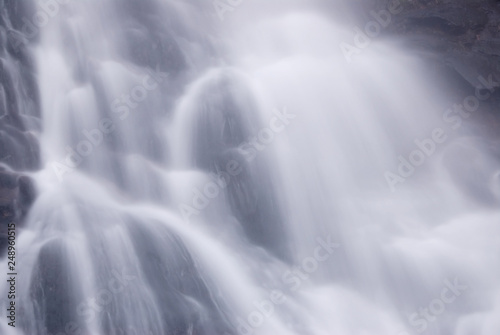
239 176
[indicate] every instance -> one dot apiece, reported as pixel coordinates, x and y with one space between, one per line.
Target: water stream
238 176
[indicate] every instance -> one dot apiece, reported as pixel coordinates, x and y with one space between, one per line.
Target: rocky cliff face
19 115
464 34
460 39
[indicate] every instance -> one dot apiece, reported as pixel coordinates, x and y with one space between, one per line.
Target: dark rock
225 122
27 194
18 12
52 284
19 115
8 195
462 36
17 194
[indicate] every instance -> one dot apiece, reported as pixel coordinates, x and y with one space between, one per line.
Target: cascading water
240 177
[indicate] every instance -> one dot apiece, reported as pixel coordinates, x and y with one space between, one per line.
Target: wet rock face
461 41
19 116
463 35
17 194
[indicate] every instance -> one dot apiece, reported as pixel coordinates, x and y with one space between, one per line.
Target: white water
321 177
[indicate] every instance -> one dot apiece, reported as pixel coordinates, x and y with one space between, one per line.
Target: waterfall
221 169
